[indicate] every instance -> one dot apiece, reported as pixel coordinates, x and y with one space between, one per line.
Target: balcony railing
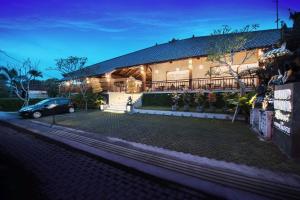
215 83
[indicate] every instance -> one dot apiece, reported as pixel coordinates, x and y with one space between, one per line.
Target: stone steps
118 101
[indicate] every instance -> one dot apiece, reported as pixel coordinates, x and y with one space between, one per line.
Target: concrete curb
211 181
187 114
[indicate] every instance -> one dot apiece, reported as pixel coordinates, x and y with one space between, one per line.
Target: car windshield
43 102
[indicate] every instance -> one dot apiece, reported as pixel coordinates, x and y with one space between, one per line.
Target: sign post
287 118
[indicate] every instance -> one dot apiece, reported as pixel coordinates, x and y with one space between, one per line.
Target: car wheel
71 110
36 114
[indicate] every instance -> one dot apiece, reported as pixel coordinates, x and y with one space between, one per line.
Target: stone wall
287 118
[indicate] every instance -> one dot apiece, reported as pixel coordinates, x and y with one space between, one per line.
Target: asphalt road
58 172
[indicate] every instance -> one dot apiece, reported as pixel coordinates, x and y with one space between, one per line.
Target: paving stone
68 174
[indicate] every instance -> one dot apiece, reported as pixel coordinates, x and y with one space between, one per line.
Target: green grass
210 138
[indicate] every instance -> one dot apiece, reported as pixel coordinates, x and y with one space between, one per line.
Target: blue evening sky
45 30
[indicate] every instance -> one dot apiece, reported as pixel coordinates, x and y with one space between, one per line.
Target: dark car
48 107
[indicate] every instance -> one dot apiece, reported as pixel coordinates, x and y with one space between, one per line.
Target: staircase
118 101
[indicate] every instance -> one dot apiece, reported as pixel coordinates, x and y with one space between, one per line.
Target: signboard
177 75
286 121
283 110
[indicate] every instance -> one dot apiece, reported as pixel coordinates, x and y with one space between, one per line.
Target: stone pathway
64 173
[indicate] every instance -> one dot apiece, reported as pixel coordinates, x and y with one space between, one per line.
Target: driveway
210 138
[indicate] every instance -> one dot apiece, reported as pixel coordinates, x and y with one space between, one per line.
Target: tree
52 87
19 78
3 86
72 68
227 44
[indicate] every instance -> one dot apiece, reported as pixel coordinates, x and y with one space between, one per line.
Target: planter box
261 122
103 107
129 108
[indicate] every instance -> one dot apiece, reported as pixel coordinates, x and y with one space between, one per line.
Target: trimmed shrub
165 100
91 103
14 104
157 100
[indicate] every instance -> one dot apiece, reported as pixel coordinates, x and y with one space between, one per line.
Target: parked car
50 106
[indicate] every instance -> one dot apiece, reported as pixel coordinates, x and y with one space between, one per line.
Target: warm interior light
107 77
177 69
200 66
156 71
142 68
68 83
190 61
260 52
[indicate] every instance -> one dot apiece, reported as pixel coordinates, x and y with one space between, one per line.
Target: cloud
164 20
34 23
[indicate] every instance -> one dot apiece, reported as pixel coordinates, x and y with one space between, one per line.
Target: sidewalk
230 181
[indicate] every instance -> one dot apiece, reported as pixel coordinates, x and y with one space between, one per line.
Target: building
174 66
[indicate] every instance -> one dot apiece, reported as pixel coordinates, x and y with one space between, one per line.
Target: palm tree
35 73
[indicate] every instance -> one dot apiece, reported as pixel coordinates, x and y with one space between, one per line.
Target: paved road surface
67 174
8 115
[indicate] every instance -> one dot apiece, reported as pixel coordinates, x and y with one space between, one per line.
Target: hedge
14 104
161 99
165 100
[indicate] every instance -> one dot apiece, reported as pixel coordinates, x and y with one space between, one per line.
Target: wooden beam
129 71
136 73
144 77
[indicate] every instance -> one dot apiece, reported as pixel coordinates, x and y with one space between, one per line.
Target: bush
157 100
199 99
91 100
14 104
165 100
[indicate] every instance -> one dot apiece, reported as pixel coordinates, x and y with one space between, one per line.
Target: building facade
176 66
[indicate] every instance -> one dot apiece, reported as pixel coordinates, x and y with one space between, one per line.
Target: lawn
210 138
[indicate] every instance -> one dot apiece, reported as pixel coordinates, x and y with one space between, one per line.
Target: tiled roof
178 49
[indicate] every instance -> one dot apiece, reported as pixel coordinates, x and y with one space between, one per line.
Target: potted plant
199 100
175 99
100 103
186 97
129 105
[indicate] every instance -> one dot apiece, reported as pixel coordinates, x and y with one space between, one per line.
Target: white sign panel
177 75
283 109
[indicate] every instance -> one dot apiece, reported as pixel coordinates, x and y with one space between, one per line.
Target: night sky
44 30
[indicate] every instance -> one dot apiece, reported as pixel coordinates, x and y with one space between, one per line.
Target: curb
211 181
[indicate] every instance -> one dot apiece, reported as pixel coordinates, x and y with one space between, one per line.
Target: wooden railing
215 83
